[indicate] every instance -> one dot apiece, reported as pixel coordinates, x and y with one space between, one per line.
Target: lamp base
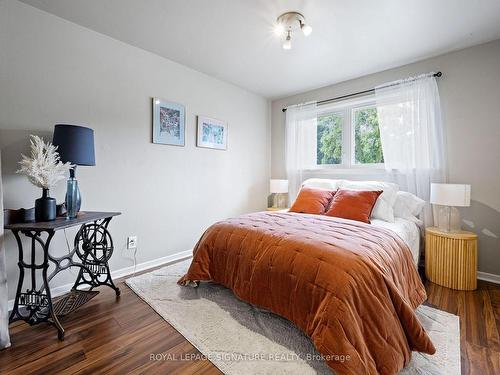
73 196
449 219
279 200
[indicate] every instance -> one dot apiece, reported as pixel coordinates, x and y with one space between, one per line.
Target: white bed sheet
407 230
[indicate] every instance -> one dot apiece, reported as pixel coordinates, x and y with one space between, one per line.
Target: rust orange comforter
351 287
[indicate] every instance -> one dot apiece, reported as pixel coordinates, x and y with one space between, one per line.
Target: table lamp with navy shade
75 144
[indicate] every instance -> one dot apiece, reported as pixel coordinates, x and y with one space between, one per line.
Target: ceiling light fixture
306 29
279 29
287 44
289 22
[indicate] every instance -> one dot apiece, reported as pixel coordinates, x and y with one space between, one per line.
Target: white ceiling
233 40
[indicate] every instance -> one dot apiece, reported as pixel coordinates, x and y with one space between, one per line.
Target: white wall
470 99
53 71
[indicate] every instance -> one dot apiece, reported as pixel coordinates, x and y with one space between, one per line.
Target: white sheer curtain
412 135
4 313
301 128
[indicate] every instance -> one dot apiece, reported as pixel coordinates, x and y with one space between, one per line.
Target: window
348 135
329 139
367 145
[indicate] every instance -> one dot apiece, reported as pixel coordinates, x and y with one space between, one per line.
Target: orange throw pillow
312 201
353 204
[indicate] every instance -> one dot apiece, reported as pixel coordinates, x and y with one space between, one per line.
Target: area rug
239 338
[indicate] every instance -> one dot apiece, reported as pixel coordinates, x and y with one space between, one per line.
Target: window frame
346 109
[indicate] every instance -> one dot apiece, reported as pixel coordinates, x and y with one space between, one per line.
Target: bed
407 230
351 287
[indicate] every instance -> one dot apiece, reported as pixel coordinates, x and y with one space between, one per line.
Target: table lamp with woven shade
448 197
75 145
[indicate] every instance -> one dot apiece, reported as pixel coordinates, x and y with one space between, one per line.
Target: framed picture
168 123
212 133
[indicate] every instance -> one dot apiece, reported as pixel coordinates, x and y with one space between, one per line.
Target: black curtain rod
438 74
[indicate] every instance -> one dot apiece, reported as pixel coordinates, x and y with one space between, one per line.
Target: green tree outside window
367 145
329 139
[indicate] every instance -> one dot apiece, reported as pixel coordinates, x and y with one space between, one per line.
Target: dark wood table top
63 222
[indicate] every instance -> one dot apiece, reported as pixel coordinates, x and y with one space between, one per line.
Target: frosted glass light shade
306 29
450 194
278 186
287 44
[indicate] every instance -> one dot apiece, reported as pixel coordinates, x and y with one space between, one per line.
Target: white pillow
383 209
414 203
408 206
322 183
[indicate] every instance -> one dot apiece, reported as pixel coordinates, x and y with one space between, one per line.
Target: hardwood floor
105 336
479 313
117 336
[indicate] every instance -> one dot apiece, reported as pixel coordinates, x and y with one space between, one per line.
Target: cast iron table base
93 246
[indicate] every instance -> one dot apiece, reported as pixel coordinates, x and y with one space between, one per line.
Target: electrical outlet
131 242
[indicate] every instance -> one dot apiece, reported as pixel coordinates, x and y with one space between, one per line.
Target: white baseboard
116 274
152 263
491 277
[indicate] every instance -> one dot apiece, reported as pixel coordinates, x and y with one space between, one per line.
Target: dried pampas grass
44 168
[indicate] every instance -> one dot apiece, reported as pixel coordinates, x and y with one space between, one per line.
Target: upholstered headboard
322 183
393 203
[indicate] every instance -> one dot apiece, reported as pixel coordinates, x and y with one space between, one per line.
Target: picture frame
211 133
169 123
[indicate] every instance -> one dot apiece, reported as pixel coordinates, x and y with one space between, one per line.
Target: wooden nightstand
451 258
